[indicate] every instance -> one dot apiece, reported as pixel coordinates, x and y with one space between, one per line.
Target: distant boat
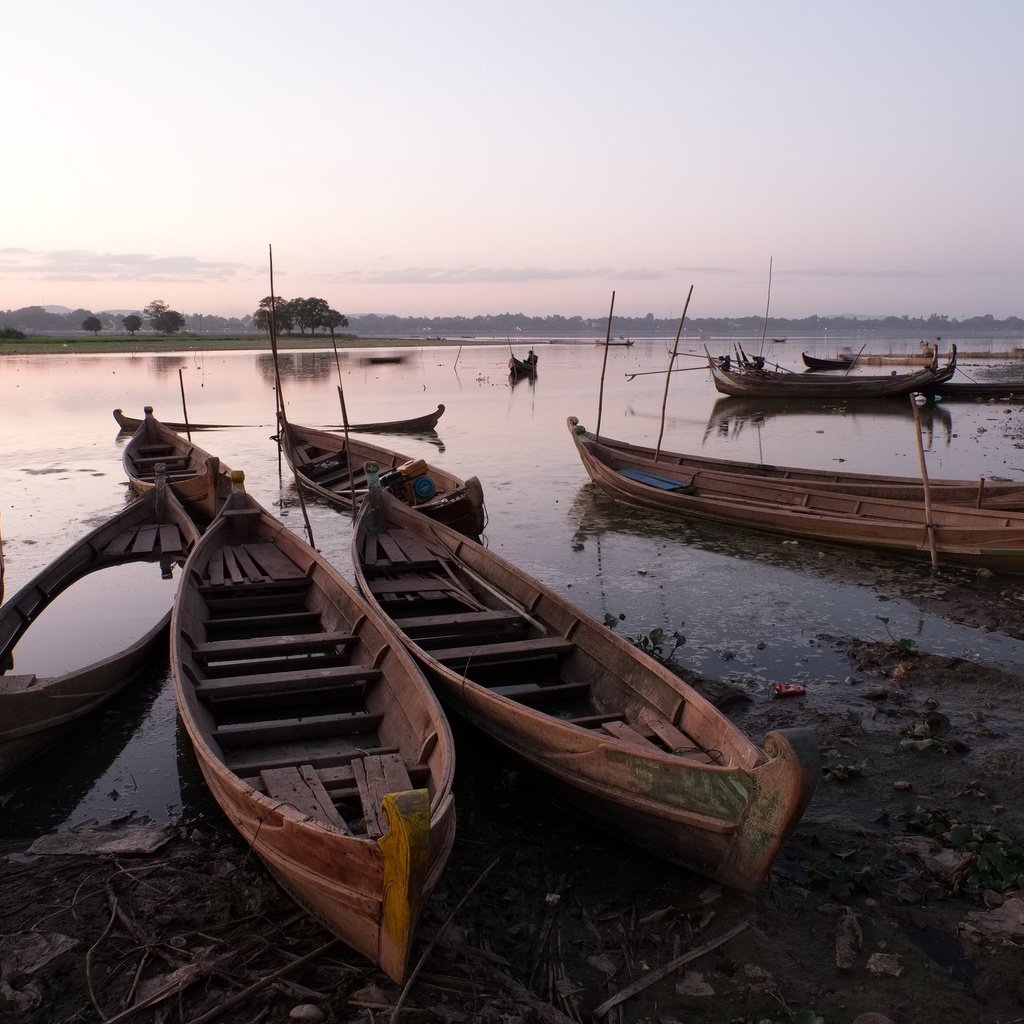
523 367
627 342
839 362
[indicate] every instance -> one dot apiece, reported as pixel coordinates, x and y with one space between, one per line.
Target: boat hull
644 753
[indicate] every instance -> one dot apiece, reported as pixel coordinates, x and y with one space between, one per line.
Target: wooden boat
763 383
325 467
613 731
823 363
314 730
412 425
198 478
989 538
980 493
1009 391
612 344
523 367
36 711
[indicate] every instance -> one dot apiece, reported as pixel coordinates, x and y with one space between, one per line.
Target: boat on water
979 537
411 425
36 711
333 468
315 731
523 367
753 381
198 478
981 493
616 733
955 390
839 362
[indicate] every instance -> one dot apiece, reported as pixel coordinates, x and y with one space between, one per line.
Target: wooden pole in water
600 390
668 373
282 427
344 426
929 525
853 361
184 408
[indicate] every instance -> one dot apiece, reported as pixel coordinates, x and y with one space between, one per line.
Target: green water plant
659 644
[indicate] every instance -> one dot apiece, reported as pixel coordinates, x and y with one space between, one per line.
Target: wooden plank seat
340 780
625 732
302 789
342 480
397 548
289 730
291 681
677 742
377 775
511 650
534 694
490 626
170 460
254 563
272 624
325 754
295 643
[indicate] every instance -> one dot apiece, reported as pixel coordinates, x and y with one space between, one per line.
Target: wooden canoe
987 538
315 731
325 467
763 383
412 425
824 363
198 478
523 367
36 711
1007 391
616 733
979 493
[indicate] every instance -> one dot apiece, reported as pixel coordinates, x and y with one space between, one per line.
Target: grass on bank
35 345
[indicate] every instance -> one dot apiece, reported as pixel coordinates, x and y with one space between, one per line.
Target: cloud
82 265
491 275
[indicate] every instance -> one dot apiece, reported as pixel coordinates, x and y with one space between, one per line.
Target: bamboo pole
282 416
853 361
344 427
929 525
767 305
604 364
668 373
184 408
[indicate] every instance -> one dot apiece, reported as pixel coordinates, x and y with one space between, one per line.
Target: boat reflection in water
730 416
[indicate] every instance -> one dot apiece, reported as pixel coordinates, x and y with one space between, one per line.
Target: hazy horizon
533 158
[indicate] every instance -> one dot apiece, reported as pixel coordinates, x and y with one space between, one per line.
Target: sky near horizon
464 158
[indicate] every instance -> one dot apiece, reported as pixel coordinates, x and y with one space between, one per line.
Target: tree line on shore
316 314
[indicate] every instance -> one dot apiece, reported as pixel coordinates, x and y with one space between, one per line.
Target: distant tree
284 314
164 319
92 323
131 323
311 313
334 321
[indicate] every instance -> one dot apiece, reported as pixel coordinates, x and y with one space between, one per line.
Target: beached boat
763 383
619 735
315 731
36 711
822 363
988 538
1008 391
981 493
523 367
324 466
412 425
198 478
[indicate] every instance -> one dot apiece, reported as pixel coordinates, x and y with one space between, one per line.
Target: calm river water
754 607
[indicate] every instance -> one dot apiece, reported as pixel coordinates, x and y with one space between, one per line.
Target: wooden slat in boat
289 686
35 711
674 775
451 500
991 538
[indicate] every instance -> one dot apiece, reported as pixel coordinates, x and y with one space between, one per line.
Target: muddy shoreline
898 894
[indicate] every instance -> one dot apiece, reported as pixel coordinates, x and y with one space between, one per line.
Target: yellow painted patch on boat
406 849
